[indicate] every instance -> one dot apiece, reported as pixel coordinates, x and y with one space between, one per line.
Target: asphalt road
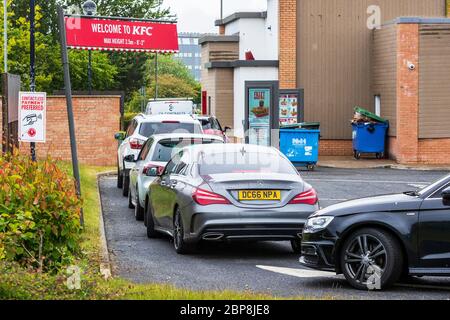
268 267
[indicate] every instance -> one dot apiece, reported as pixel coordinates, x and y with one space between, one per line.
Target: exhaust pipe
213 236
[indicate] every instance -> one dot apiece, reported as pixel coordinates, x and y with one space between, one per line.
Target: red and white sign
32 116
121 35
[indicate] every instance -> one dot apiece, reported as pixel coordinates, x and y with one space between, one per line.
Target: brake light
307 197
206 198
136 144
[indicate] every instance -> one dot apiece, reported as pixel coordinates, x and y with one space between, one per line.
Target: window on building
185 41
196 41
378 105
190 67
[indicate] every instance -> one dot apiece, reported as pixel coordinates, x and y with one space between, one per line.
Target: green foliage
174 81
49 76
39 214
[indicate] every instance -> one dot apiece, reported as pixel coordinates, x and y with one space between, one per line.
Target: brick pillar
288 44
407 93
222 29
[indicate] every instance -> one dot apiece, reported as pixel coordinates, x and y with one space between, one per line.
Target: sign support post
68 89
32 65
156 76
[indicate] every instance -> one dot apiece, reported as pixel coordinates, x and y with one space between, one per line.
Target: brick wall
97 119
407 148
335 148
288 44
434 151
407 93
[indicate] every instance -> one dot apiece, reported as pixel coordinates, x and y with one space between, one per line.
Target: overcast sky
199 15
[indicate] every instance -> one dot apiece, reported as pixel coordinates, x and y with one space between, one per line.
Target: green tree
174 81
49 76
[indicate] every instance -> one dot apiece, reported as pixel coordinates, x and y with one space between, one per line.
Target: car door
434 232
160 197
137 169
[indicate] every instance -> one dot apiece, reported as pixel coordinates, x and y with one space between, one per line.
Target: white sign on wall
32 116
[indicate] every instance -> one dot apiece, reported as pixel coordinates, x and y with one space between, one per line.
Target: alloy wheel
365 256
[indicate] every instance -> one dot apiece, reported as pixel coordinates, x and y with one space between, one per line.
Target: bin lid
369 115
302 125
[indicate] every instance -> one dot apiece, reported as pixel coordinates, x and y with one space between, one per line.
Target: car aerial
139 130
154 155
211 125
376 241
229 192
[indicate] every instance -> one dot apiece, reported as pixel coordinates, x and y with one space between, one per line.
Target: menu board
259 116
289 104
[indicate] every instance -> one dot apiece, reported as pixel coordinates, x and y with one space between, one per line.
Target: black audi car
375 241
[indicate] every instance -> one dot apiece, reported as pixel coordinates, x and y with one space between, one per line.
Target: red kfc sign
121 35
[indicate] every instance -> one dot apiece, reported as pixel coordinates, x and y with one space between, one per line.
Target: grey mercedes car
229 192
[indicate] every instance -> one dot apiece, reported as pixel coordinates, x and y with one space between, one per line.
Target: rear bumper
261 225
257 232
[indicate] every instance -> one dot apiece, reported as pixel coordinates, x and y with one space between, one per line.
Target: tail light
307 197
206 198
147 168
136 144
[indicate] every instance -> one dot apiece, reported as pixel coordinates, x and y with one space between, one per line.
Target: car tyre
150 223
119 178
181 247
130 203
126 185
365 253
296 246
138 210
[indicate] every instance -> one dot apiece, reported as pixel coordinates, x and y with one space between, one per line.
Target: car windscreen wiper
412 193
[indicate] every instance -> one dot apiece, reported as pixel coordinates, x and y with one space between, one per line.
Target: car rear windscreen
149 129
209 124
166 149
244 162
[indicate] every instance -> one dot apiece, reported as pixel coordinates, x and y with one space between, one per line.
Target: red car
211 125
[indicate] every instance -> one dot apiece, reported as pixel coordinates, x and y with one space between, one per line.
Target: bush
39 214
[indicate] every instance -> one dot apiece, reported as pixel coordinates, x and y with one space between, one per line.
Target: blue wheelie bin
369 138
301 146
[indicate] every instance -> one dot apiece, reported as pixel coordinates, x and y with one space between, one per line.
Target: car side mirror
446 196
129 158
227 129
120 136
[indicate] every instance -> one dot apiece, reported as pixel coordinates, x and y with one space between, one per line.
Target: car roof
159 137
195 150
204 117
185 118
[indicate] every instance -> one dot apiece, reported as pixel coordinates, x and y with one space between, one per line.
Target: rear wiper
411 193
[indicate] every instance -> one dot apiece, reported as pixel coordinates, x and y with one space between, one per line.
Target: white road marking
369 181
311 274
299 273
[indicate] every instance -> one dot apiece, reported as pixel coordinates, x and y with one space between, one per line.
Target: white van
174 106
